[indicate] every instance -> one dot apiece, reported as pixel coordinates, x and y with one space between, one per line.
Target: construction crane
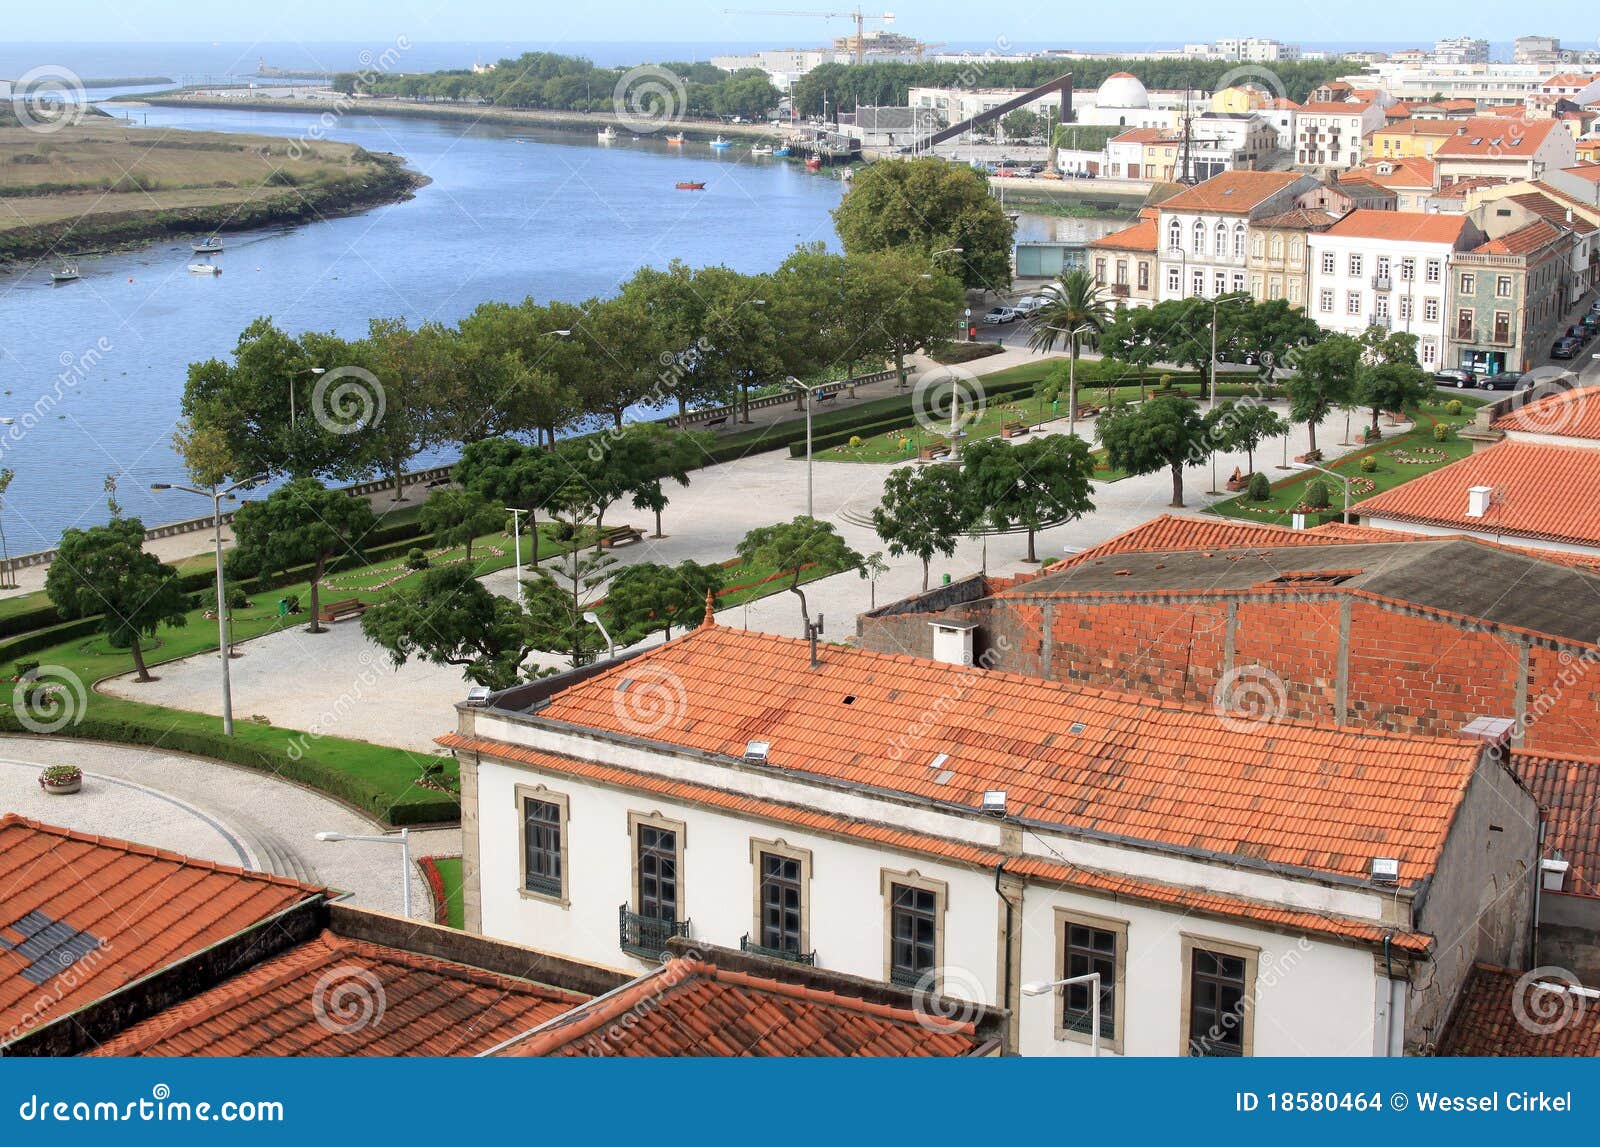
857 15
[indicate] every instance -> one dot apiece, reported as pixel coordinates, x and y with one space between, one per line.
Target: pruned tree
1040 483
924 512
457 517
793 548
645 598
1166 432
449 618
105 570
300 523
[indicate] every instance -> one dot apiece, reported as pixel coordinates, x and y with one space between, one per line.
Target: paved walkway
217 812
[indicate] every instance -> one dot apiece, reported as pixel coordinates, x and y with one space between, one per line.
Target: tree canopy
300 523
1165 432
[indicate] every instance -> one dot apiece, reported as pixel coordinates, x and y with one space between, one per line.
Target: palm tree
1078 311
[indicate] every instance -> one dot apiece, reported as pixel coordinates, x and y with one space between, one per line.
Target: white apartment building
1482 83
1334 134
1389 269
1461 50
1255 50
1505 147
1203 230
929 822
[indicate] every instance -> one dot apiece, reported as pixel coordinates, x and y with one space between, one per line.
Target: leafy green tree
794 547
1164 432
924 512
901 304
929 205
652 455
390 422
1324 379
871 569
1076 310
646 597
300 523
1020 124
457 517
1271 330
558 596
1390 377
509 473
105 570
1245 426
624 367
449 618
811 309
1031 486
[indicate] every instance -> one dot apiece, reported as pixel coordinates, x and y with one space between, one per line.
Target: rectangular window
1408 269
1100 272
1435 270
1085 945
1469 284
1502 287
1464 323
1380 307
914 927
542 826
1352 302
1325 302
1122 272
1294 291
1199 283
1383 267
1355 266
1328 263
1405 308
782 910
1430 352
1219 280
1219 1002
1430 310
1238 281
1502 326
1144 276
657 867
1174 284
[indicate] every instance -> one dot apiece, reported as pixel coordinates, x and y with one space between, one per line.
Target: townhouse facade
848 810
1389 269
1508 295
1125 263
1411 138
1410 182
1505 147
1280 254
1334 134
1203 230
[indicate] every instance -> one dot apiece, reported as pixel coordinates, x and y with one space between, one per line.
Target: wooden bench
830 396
1310 456
613 536
1013 429
335 610
932 450
1085 410
715 422
1238 482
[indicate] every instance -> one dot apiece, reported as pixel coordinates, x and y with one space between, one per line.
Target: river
510 213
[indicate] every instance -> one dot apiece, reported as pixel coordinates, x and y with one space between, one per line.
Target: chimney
952 641
1478 501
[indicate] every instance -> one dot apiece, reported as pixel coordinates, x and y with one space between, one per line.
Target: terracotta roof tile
1585 171
111 912
1401 226
1232 191
1142 236
1493 138
1568 790
1554 210
693 1008
1065 875
1485 1022
1543 492
1571 414
1408 173
429 1007
1168 773
1524 241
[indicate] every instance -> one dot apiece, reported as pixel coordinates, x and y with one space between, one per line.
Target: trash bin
283 607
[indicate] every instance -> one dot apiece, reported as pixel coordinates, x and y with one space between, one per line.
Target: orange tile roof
1568 792
1300 219
1405 173
1325 107
1144 135
109 912
1569 80
1166 773
1492 138
1554 210
901 840
1142 236
1401 226
1232 191
690 1007
1414 127
1485 1022
1523 241
430 1007
1458 189
1549 493
1572 414
1585 171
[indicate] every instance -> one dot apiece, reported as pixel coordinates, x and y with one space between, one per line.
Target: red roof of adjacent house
1414 127
1505 1013
1172 532
1571 414
1568 790
1551 208
1458 189
1569 80
1167 773
1523 241
1492 138
1401 226
1549 493
1585 171
1233 191
1144 135
1300 219
1327 108
428 1007
1407 173
109 912
690 1007
1142 236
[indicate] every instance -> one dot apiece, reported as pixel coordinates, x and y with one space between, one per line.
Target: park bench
1085 410
613 536
711 423
1238 481
1309 456
335 610
1013 429
932 450
829 396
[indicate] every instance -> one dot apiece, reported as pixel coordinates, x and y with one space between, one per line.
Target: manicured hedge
22 646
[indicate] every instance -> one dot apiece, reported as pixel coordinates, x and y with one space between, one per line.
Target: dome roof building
1122 90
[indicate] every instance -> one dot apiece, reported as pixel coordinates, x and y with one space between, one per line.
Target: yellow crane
857 15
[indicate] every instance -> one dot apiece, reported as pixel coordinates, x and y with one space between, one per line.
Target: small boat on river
66 273
692 185
205 268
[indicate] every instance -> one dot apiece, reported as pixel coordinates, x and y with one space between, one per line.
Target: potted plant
58 780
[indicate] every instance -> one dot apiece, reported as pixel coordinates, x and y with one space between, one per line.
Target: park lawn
450 874
1416 443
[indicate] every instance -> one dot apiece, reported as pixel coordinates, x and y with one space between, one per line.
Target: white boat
205 268
761 149
206 247
720 144
675 138
65 274
607 134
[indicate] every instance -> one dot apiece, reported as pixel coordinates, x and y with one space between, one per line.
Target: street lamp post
1331 474
807 391
516 549
593 619
1093 980
1072 334
402 838
1211 408
216 495
292 376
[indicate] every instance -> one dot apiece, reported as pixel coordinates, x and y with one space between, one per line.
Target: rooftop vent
1490 730
938 762
1553 871
1384 870
994 802
1478 499
756 752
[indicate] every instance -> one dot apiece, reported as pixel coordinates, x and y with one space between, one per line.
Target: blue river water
509 213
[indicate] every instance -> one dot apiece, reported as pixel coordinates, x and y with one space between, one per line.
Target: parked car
1030 304
1505 380
1565 347
1460 379
1590 322
997 315
1580 332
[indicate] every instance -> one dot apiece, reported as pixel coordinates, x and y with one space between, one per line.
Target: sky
708 21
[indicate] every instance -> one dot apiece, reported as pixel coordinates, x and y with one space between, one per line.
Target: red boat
814 164
688 186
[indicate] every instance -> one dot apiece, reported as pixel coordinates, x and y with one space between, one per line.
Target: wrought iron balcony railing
646 936
748 945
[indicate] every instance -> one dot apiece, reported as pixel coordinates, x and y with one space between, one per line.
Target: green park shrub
416 559
1260 488
1441 432
1317 495
1369 464
1453 407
